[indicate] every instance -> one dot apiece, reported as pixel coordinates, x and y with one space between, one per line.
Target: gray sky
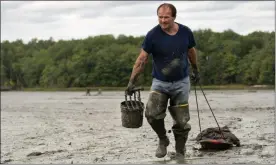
80 19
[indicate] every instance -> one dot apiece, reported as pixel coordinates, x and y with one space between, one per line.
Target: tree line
224 58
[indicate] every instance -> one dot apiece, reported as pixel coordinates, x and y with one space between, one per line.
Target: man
171 45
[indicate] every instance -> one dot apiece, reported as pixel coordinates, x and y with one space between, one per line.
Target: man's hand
193 60
195 76
130 88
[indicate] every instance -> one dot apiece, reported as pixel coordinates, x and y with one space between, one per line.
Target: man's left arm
193 58
192 51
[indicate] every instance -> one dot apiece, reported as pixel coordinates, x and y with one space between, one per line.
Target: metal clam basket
132 110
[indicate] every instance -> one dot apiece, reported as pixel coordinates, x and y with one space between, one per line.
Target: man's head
166 15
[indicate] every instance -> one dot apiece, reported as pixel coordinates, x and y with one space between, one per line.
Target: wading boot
180 141
155 114
159 127
181 128
162 147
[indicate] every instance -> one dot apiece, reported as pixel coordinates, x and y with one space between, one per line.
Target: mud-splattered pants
178 94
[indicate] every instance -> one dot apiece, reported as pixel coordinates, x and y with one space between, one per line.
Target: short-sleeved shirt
169 52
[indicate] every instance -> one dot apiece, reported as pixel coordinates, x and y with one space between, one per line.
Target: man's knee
180 128
181 115
156 106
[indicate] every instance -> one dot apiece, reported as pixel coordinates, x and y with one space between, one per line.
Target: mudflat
69 127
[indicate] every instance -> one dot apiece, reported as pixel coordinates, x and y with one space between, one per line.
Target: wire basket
132 114
132 111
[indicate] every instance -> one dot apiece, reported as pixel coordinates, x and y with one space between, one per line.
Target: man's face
165 18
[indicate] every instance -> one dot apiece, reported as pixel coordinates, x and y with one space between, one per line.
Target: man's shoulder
184 27
153 31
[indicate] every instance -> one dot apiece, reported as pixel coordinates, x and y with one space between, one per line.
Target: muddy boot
155 114
159 127
162 147
180 142
181 128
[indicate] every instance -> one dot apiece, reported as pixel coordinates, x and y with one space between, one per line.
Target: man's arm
139 66
193 58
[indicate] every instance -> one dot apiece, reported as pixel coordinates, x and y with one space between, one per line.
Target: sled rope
209 107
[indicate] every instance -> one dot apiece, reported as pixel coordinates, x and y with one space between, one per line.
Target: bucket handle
137 89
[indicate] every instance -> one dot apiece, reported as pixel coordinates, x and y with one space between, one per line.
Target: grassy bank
206 87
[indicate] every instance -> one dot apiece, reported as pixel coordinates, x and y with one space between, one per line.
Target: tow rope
210 109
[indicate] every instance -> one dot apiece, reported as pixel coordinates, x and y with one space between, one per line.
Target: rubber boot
180 142
159 127
161 150
155 114
181 128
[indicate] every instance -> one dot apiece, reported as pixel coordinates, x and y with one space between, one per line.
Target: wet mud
71 128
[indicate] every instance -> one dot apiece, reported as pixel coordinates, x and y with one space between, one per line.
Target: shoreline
146 88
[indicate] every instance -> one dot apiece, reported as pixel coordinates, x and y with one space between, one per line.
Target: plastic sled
215 144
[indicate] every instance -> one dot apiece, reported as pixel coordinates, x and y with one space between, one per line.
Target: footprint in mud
6 161
65 157
38 153
257 147
267 153
269 137
34 154
247 151
101 159
263 151
171 160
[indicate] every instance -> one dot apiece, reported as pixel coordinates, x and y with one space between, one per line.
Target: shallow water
69 127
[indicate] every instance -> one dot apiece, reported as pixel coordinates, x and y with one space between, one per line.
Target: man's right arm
139 65
140 62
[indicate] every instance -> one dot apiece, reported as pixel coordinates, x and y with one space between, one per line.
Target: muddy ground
69 127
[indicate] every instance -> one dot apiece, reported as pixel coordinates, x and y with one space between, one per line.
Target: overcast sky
80 19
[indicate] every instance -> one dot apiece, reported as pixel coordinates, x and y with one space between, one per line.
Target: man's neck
173 30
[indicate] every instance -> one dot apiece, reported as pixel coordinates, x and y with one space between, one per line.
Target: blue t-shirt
169 52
